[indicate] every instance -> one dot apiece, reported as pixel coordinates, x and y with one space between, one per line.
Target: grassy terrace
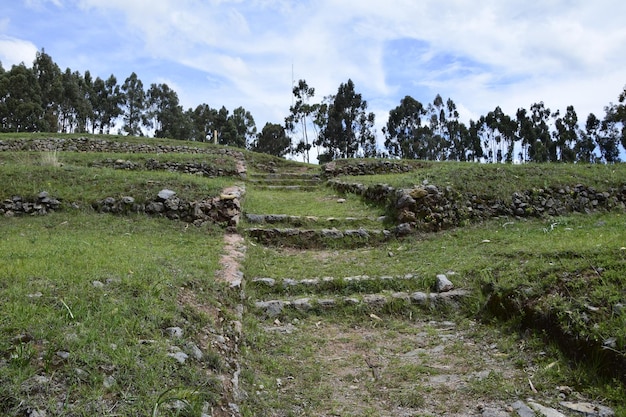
86 299
500 180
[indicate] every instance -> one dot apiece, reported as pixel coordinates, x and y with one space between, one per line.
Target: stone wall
196 168
433 208
367 167
224 209
85 144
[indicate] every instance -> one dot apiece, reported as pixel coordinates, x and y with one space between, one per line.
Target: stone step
286 181
353 284
383 301
288 187
313 238
300 221
286 175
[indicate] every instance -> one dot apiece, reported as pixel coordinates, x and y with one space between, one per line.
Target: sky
480 53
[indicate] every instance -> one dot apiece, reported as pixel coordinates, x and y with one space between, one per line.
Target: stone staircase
273 296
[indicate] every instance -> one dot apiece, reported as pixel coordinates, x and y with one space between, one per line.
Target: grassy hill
106 314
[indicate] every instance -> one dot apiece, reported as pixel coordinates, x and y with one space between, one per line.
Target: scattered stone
443 284
37 294
588 409
494 412
174 332
108 381
97 284
341 200
63 354
545 411
522 409
181 357
37 413
194 351
166 194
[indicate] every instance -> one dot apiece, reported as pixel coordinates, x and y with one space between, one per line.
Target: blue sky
482 53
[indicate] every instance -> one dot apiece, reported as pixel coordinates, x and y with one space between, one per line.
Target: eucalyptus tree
106 102
21 108
587 143
164 114
349 129
405 132
566 135
301 120
49 79
272 140
134 105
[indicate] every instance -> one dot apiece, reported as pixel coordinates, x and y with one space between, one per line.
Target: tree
134 105
202 123
164 113
348 132
20 101
244 128
404 132
302 118
585 147
106 101
609 135
48 77
566 135
542 148
272 140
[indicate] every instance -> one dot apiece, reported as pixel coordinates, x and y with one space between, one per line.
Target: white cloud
15 51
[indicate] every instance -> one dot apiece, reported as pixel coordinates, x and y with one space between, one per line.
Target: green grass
23 174
49 304
501 180
323 204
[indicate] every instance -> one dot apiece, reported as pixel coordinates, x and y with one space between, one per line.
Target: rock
194 351
302 304
443 284
326 302
588 409
181 357
97 284
494 412
272 308
37 413
374 300
522 409
165 194
545 411
341 200
63 354
419 298
128 200
174 332
108 381
269 282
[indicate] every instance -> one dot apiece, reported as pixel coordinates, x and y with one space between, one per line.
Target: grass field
88 301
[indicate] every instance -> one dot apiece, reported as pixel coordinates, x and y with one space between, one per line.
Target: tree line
45 98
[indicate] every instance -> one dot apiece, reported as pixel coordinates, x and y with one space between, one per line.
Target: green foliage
349 129
272 140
